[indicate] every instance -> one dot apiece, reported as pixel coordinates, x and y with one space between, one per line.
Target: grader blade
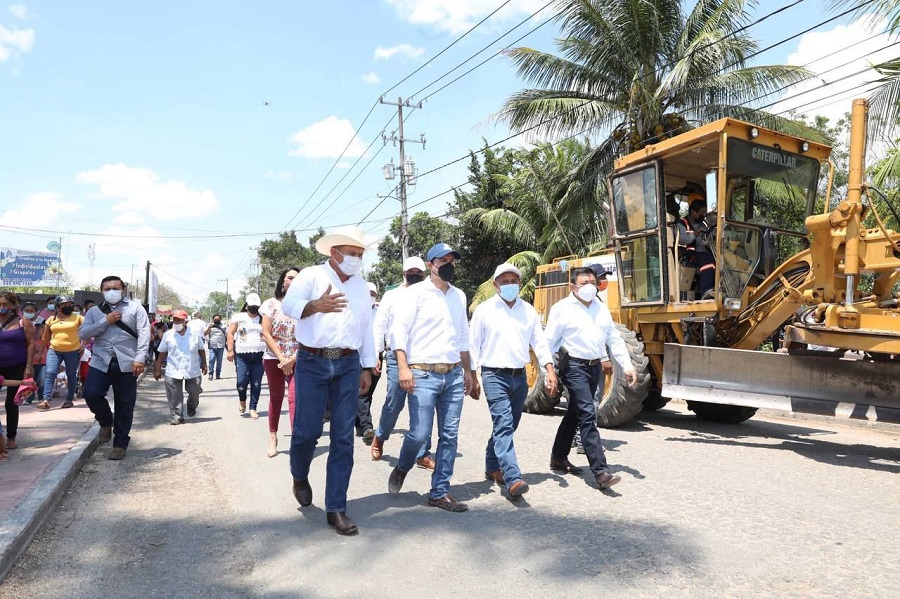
828 386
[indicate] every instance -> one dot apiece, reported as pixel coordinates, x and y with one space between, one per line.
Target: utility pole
227 298
147 285
406 173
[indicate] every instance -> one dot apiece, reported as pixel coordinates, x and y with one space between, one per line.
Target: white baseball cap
506 267
413 262
252 299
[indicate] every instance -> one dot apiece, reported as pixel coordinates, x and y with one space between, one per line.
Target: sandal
43 406
243 407
4 457
11 444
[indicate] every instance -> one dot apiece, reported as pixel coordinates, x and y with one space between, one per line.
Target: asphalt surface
776 507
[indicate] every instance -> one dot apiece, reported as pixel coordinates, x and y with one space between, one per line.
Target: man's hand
365 381
551 383
470 385
137 368
330 302
606 365
405 377
157 370
630 377
113 317
376 370
202 368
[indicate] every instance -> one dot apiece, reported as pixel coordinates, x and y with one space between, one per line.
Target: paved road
776 507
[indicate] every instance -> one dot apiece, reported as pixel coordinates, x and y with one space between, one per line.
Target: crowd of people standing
322 341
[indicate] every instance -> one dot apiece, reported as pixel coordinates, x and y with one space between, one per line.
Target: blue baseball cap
600 270
439 250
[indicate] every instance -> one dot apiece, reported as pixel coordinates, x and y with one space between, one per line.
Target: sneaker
368 435
177 421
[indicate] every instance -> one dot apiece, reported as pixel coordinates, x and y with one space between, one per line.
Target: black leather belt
594 362
506 371
329 353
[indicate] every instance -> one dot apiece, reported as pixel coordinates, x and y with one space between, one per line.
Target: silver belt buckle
331 353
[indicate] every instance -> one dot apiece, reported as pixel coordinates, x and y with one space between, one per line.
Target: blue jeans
124 386
215 360
505 398
320 382
581 381
249 372
54 359
39 380
394 402
441 393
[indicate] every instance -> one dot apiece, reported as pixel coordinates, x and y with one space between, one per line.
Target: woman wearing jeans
245 347
280 356
61 335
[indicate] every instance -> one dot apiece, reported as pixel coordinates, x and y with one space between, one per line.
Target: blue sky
143 122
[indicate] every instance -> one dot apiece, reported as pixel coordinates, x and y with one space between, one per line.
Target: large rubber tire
715 412
538 401
616 402
655 399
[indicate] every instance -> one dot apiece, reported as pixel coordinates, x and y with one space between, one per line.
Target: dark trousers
16 372
581 382
124 385
705 263
364 408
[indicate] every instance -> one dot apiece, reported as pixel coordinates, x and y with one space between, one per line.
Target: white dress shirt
350 329
430 325
384 317
585 331
183 353
501 335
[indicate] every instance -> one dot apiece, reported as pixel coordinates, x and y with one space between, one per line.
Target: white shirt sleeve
404 317
476 336
299 293
539 342
615 343
367 355
462 324
554 329
379 326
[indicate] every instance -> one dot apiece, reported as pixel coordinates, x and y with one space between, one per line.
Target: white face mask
178 327
587 292
112 296
351 264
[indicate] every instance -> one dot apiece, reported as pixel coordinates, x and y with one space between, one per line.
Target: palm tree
637 71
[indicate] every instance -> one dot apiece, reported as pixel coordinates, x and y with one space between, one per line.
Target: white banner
151 297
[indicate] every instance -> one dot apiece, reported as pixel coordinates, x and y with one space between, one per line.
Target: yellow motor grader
787 278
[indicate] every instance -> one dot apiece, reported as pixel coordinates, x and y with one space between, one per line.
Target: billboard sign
26 268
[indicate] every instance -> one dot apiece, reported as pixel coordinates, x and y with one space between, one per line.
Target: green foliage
217 302
277 254
424 231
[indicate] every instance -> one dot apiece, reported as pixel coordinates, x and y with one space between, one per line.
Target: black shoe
105 435
303 492
342 524
395 481
368 435
605 480
192 411
565 466
218 377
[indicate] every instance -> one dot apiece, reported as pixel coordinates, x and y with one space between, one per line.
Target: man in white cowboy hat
333 309
502 330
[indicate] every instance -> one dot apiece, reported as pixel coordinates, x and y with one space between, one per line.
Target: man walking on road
583 324
430 334
182 350
121 331
216 335
395 395
333 309
502 329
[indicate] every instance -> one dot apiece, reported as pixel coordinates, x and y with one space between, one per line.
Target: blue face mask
4 310
509 292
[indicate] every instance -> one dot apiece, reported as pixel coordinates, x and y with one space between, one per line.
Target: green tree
277 254
638 72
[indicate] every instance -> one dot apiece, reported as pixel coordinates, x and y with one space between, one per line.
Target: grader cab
786 279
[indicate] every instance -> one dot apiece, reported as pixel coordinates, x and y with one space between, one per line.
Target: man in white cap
333 309
430 337
395 397
502 329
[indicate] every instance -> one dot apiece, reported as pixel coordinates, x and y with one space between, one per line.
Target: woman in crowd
245 347
30 312
16 357
280 355
61 336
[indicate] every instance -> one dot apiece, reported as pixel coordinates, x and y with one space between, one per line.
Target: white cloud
129 218
141 190
457 16
326 139
825 53
371 78
13 41
382 53
49 207
19 11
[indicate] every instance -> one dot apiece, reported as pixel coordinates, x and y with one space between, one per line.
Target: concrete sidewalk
52 446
